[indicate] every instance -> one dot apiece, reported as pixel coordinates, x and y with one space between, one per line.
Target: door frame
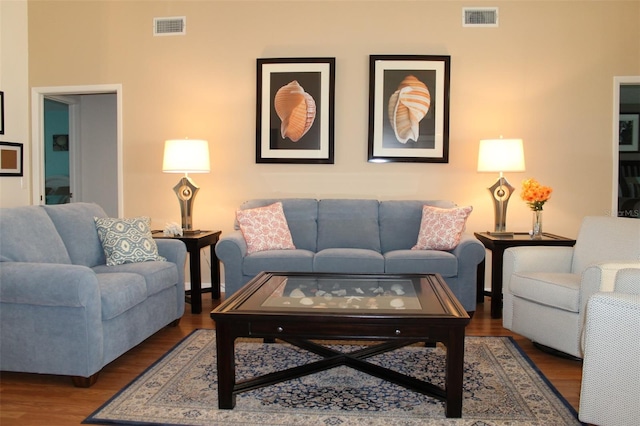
38 94
617 82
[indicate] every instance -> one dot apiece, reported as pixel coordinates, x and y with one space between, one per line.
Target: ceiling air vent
480 17
176 25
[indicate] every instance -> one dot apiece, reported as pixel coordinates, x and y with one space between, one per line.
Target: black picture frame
629 132
393 136
301 86
1 113
11 159
60 142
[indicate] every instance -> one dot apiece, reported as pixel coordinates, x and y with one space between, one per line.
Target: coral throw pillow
265 228
440 229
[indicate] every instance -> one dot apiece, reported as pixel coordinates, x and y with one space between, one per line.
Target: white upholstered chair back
605 239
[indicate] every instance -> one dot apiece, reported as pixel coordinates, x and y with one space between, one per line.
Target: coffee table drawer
342 330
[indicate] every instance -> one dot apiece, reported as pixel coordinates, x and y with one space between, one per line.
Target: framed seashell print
295 106
409 108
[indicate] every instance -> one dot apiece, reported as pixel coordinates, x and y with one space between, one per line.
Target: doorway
626 151
93 141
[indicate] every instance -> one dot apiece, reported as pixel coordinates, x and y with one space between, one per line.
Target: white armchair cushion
606 239
560 291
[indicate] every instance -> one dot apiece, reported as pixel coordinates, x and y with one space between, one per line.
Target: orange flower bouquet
534 194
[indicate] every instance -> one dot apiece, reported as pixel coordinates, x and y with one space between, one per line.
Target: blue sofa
353 236
62 310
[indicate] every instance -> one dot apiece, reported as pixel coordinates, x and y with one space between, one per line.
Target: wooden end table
396 309
194 243
498 244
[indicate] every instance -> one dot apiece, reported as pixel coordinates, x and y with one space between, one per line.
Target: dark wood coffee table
297 307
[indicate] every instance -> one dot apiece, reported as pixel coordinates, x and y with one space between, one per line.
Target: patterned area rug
501 387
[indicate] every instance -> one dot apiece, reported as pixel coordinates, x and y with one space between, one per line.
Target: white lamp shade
501 155
186 156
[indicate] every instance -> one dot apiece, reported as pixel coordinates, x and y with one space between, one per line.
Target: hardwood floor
33 399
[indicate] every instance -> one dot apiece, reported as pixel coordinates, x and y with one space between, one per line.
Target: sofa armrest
48 284
470 253
50 319
231 250
174 251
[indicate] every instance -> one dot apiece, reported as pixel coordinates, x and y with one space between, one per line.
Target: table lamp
186 156
501 155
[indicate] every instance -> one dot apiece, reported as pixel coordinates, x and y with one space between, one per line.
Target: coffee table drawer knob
279 329
397 332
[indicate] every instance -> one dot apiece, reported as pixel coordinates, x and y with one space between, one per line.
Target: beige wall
545 75
14 71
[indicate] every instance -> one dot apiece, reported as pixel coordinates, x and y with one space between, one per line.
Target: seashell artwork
397 289
296 109
397 303
297 293
408 105
306 301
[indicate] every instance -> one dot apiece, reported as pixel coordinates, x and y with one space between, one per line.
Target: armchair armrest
604 277
628 281
538 259
610 385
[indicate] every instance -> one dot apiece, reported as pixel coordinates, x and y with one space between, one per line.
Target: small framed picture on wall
1 113
629 132
61 142
11 159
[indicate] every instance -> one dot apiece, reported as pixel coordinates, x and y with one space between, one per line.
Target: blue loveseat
62 310
353 236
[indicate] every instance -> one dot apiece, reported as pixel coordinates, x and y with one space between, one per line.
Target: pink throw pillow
440 229
265 228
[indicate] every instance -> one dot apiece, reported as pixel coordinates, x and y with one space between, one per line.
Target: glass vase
536 225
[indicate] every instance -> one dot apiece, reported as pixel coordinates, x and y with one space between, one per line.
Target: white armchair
546 288
610 393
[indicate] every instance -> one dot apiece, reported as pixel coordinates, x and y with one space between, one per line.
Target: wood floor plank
34 399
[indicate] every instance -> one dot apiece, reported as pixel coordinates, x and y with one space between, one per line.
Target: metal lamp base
501 192
186 191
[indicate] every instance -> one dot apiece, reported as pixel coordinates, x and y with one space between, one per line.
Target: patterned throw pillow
440 229
265 228
127 240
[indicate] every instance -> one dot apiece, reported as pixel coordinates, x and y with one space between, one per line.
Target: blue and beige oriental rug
501 387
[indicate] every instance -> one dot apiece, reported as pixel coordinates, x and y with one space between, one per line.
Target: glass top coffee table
393 310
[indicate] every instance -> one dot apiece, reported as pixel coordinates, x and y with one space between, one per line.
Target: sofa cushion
400 222
76 226
440 229
29 235
558 290
302 218
348 260
119 292
265 228
157 275
421 262
348 224
127 240
278 261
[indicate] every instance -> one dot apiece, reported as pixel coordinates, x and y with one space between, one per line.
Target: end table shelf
194 243
498 244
